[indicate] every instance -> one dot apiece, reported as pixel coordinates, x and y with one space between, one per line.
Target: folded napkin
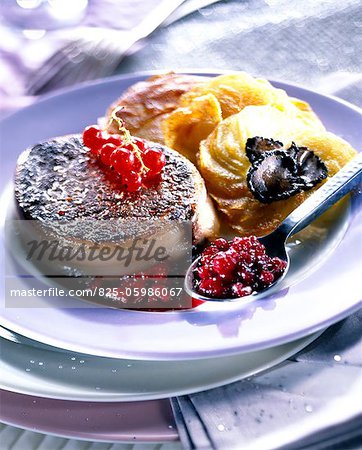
311 401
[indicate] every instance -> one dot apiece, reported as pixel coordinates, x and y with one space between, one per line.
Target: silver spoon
275 243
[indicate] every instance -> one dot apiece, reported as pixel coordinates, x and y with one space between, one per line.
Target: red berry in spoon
221 244
212 286
239 290
237 271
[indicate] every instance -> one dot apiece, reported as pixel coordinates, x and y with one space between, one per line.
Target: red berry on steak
132 181
123 160
92 138
91 134
154 160
140 144
114 139
105 153
131 157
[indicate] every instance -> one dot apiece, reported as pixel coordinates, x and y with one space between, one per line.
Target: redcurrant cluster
133 159
236 269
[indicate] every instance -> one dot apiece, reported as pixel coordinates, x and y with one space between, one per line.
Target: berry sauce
235 269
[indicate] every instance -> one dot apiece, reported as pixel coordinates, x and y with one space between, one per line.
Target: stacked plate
104 374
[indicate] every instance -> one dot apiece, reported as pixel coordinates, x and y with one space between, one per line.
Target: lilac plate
150 421
322 287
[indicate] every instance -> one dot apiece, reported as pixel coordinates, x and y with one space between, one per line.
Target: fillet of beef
59 180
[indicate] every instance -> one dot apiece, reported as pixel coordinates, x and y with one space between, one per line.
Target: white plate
322 287
70 376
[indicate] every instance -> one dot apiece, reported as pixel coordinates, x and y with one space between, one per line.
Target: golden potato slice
183 129
187 126
237 90
306 113
223 164
332 149
147 103
247 216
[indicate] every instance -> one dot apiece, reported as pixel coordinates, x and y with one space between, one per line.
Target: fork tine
72 74
64 77
105 67
62 70
95 67
113 59
51 66
38 82
91 68
54 69
66 72
87 71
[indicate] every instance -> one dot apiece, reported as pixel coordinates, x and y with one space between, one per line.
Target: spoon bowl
275 243
271 249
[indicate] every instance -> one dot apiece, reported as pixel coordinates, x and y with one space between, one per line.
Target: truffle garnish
256 146
277 173
311 169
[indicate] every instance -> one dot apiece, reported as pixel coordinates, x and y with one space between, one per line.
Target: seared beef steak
60 180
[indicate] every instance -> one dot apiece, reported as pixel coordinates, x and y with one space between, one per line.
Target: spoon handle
322 199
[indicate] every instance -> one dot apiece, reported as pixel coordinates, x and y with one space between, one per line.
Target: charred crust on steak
59 180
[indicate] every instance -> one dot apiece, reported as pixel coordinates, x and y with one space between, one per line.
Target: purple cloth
21 56
314 43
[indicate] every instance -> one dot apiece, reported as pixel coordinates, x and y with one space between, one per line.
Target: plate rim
293 347
167 355
147 73
171 436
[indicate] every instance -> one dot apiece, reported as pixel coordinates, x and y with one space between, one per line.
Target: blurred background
316 43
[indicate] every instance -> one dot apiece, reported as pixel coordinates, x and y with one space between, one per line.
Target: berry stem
126 135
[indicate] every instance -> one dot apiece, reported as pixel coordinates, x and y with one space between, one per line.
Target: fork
98 51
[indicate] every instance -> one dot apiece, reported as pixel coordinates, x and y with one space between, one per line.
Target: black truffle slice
311 169
273 177
281 173
256 146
